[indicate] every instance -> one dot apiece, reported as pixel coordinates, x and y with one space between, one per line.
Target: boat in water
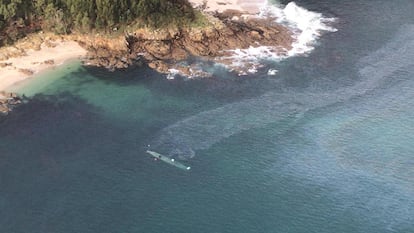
168 160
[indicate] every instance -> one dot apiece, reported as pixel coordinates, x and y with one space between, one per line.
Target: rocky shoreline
165 50
8 101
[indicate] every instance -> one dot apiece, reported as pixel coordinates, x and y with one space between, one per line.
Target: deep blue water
326 145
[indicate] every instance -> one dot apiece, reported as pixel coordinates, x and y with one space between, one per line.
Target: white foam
172 73
272 72
307 27
246 61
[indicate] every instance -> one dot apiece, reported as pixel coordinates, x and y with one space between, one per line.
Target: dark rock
49 62
4 64
26 71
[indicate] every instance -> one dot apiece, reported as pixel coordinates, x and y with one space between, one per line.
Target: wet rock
8 101
160 66
184 70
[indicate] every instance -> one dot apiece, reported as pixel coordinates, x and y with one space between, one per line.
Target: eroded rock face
111 53
163 49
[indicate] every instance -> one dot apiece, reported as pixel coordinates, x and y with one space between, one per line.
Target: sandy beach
248 6
19 68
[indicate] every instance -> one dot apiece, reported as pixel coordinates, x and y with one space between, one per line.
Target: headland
222 28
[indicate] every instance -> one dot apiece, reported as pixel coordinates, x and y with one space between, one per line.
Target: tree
158 13
55 20
62 16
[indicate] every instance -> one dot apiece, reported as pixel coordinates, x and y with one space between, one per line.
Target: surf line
168 160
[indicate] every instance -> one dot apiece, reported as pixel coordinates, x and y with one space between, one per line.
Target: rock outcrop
164 49
8 101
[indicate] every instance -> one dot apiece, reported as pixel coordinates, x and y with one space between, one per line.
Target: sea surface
326 145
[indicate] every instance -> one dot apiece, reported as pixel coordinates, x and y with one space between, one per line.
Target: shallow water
326 145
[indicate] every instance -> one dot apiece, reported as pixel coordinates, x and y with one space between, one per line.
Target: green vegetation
199 20
64 16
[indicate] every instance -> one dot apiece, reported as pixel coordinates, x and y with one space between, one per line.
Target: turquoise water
326 145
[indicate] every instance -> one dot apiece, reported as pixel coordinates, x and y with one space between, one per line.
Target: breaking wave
306 25
307 28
